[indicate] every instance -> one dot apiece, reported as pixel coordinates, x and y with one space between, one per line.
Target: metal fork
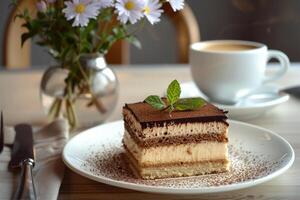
1 133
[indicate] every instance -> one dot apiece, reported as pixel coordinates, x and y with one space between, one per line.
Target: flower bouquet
72 28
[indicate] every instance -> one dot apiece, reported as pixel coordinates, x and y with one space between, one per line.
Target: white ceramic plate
248 108
257 155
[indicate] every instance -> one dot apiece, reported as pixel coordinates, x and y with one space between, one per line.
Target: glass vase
88 105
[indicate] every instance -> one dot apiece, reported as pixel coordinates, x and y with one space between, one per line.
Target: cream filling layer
193 152
175 129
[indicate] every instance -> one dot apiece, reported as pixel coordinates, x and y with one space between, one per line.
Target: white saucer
97 154
248 108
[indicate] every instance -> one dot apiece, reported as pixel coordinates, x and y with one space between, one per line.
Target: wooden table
19 98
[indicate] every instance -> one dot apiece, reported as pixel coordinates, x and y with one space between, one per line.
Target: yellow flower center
80 8
129 5
147 10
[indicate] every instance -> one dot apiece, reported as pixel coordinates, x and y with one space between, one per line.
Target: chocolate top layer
149 117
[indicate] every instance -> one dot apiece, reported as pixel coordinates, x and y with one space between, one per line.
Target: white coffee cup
228 70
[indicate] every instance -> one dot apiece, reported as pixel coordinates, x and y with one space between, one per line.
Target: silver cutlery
23 157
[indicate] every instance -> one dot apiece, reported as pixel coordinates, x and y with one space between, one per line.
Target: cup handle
284 64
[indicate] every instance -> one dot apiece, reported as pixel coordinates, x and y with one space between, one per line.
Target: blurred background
275 23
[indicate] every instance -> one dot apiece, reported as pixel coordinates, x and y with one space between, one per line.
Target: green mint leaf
173 92
171 108
155 101
133 40
189 104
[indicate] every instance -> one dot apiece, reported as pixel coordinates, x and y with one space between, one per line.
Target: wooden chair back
186 26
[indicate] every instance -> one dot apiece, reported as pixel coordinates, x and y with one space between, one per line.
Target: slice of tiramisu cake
184 142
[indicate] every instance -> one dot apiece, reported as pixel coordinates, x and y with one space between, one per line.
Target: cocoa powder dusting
245 166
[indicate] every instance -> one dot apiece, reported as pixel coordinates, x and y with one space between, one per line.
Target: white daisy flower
152 11
130 10
81 11
103 3
176 4
41 6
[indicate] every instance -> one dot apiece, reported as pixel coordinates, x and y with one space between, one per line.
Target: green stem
54 110
104 31
71 115
70 110
59 104
99 105
166 108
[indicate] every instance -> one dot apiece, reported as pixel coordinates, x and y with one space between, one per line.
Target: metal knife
23 157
